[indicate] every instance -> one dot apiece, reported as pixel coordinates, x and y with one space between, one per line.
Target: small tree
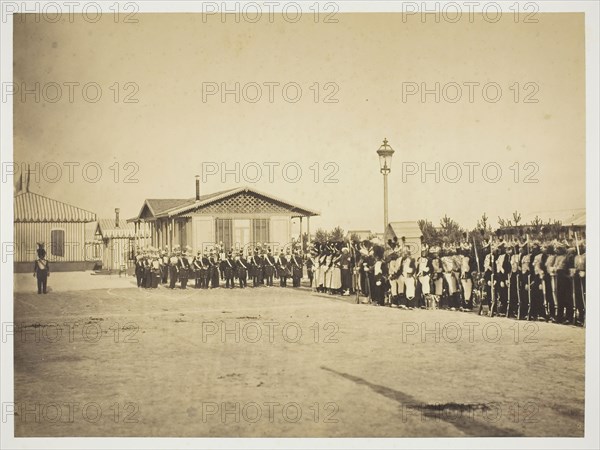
430 234
337 234
483 222
516 218
321 236
450 230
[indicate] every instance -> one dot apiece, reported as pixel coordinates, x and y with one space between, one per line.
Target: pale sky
171 131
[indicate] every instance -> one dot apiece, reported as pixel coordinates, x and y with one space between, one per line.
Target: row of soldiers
521 279
536 280
208 269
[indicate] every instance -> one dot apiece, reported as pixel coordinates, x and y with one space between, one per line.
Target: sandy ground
71 281
121 361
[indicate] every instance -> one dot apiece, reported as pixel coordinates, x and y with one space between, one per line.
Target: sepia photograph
304 224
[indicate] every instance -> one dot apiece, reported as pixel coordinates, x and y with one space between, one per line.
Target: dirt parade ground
267 362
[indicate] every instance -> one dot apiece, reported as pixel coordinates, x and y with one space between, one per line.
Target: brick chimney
197 188
117 210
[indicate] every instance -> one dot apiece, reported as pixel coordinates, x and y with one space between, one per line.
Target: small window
260 230
57 242
224 232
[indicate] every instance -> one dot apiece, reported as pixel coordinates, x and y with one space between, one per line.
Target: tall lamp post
385 153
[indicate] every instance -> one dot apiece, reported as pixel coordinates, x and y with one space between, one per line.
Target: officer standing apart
41 269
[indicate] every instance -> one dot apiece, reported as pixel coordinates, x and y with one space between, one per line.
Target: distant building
118 240
236 217
411 232
59 225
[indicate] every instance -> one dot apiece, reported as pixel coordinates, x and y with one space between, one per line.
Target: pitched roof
31 207
160 207
409 229
231 192
107 229
174 207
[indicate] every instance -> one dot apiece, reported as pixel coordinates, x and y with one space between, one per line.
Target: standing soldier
213 270
335 283
327 269
147 268
502 273
437 273
184 268
489 270
228 270
41 269
424 270
450 300
525 284
259 259
204 271
253 265
380 272
467 268
512 307
155 268
283 269
297 268
197 269
550 278
174 267
242 270
408 282
570 270
394 268
322 268
269 267
165 265
456 254
346 271
139 269
310 265
579 280
540 285
561 287
368 263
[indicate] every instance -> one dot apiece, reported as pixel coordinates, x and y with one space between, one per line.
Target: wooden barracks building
237 217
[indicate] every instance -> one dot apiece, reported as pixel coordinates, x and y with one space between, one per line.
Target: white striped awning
30 207
107 228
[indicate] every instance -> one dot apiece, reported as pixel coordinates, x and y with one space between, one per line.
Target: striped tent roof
30 207
107 228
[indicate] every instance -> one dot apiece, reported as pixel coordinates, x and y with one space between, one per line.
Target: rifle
478 277
574 298
508 283
368 281
528 285
519 295
492 289
546 306
355 278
